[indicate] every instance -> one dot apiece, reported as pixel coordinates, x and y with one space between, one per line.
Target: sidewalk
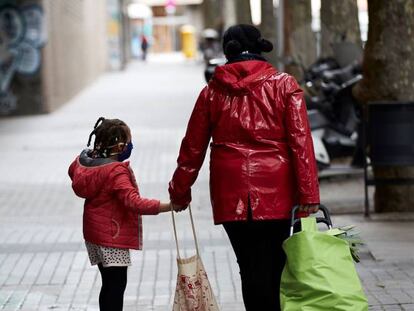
43 262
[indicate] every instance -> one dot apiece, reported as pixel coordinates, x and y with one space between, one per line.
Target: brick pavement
43 263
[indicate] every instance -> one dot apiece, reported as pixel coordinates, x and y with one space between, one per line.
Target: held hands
311 208
166 207
178 208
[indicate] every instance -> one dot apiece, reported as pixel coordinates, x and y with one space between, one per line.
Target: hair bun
233 47
265 45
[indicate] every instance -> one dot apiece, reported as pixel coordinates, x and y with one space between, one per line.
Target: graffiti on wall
22 35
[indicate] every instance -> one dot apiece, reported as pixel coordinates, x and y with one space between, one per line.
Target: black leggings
114 281
258 248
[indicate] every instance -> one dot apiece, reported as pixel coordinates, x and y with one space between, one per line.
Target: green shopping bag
319 274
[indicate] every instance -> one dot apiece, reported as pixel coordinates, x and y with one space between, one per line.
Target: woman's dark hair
108 132
244 38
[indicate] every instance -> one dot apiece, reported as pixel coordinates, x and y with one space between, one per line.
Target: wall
118 34
22 38
76 51
49 51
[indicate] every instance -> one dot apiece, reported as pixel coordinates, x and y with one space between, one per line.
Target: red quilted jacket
261 150
113 206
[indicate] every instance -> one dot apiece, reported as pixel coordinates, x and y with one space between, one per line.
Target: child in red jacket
112 222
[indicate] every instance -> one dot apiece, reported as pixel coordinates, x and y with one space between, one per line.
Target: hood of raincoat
89 175
242 77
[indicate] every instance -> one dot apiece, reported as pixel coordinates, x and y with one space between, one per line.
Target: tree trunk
243 12
211 18
339 19
269 28
229 10
389 75
300 44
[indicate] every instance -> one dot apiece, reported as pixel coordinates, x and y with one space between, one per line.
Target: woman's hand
310 208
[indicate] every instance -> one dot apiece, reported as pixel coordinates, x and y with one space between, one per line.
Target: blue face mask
126 153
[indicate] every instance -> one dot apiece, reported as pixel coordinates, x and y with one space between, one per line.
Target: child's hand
165 207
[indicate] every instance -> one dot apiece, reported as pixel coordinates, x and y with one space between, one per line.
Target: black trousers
114 281
259 253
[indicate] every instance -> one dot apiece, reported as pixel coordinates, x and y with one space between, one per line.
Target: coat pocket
115 228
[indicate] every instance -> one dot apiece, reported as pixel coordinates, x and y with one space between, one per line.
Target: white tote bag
193 290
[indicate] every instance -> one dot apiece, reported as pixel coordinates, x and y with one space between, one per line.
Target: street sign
170 7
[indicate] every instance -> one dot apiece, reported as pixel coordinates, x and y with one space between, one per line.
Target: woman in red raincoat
262 160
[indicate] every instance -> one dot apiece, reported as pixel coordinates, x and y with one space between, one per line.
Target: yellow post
188 41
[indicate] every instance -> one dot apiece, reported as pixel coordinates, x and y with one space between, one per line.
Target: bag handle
326 219
175 231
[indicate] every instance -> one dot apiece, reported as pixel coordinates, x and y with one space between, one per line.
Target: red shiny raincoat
262 153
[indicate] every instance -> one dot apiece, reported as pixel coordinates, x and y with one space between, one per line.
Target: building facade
52 49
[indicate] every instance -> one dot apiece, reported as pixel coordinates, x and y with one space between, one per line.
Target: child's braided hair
108 133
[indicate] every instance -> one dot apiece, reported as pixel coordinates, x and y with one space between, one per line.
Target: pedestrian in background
144 47
262 160
112 222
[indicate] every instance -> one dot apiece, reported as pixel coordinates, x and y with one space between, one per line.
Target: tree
243 11
211 18
229 13
268 28
300 43
389 75
338 19
219 14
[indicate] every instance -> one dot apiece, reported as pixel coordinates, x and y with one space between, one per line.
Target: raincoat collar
86 160
246 56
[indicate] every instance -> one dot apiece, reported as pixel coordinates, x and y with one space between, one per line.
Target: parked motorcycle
210 46
334 113
335 124
211 67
